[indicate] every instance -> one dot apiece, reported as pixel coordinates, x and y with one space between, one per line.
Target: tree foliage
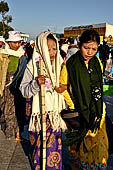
3 7
7 29
5 18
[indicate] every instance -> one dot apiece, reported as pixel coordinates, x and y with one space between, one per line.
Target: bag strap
70 115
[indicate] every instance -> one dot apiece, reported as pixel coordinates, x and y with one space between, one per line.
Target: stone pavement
14 155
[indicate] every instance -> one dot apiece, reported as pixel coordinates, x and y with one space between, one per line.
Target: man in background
29 49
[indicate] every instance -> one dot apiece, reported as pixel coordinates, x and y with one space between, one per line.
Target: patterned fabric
97 150
53 148
8 110
76 164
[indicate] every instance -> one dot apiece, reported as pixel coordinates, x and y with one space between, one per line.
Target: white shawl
17 53
41 50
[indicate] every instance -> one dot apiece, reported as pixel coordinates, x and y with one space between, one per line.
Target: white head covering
14 36
41 50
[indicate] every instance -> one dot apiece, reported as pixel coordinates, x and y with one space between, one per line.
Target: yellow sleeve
63 75
68 99
64 80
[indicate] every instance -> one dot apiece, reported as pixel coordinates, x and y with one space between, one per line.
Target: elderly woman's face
14 45
52 48
88 50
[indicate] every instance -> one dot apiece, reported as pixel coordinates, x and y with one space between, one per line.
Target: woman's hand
41 79
61 88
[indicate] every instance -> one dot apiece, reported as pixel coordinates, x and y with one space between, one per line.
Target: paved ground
16 156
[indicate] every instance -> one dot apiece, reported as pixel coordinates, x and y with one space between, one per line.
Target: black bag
71 118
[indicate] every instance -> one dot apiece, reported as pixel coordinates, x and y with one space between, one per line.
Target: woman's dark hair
89 35
50 36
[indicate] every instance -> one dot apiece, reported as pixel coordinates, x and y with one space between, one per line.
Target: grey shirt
29 86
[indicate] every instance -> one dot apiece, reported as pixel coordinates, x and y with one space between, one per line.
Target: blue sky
35 16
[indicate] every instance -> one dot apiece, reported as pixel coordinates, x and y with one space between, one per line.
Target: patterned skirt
53 148
10 127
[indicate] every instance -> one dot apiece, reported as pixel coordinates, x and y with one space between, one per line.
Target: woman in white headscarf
47 49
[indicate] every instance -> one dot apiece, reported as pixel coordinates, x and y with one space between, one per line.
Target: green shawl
87 92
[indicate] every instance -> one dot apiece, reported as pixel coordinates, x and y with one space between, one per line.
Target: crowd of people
56 90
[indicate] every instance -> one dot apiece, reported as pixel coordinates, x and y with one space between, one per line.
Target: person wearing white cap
14 40
11 113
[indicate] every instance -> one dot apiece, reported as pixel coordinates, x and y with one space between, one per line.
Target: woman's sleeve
63 75
29 86
64 80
